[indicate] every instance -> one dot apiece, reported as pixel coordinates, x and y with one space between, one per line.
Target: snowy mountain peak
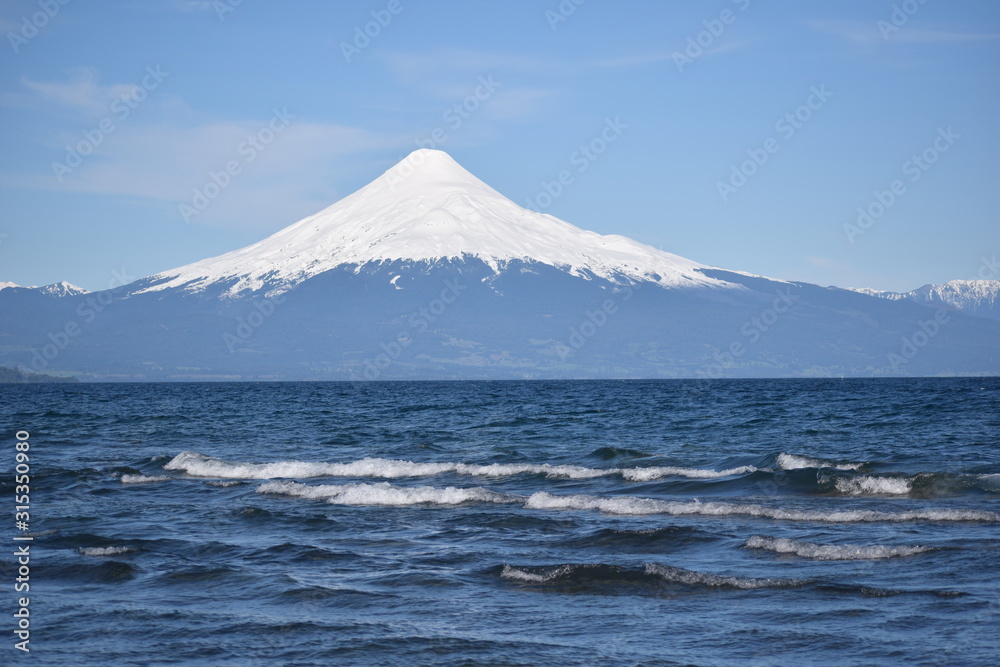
429 166
62 288
976 297
59 289
426 208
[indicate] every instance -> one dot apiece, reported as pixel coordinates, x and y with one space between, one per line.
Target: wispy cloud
520 103
913 36
290 178
162 161
80 92
451 76
869 34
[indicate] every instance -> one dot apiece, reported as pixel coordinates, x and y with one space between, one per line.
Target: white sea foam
143 479
517 574
617 505
831 551
652 473
199 465
692 578
106 551
637 506
796 462
384 494
869 485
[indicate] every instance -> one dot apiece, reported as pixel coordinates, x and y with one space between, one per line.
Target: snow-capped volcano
428 208
428 273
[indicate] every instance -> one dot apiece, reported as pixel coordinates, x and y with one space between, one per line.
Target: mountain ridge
975 297
59 289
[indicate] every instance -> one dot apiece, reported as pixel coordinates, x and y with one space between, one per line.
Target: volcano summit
427 208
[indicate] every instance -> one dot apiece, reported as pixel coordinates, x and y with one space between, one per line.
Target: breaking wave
200 465
796 462
638 506
831 551
143 479
106 551
871 485
384 494
692 578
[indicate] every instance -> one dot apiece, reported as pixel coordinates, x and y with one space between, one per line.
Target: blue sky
747 133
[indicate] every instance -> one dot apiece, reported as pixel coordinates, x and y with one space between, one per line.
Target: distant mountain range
974 297
55 289
427 272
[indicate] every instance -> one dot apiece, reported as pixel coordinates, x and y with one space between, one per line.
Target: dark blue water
514 523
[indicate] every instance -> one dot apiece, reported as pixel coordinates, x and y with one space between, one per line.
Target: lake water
510 523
